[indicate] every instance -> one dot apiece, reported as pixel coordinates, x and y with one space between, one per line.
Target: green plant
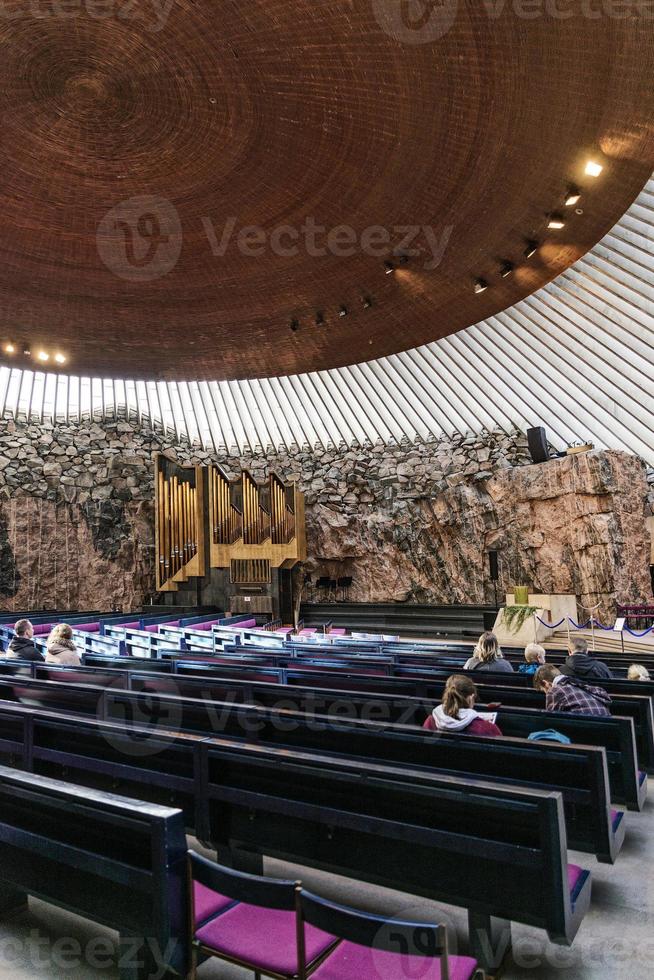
514 617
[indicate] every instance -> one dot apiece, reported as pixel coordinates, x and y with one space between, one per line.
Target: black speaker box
537 442
492 564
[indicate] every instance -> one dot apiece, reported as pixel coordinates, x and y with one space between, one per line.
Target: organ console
255 533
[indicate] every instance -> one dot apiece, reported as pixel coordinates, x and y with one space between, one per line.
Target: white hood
446 723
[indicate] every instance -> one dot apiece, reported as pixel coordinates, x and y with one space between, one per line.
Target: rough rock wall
409 523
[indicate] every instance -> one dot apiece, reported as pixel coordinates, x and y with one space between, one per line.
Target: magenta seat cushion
42 628
130 626
284 629
208 903
352 962
263 937
88 627
338 632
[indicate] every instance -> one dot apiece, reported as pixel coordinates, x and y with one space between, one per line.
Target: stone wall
409 523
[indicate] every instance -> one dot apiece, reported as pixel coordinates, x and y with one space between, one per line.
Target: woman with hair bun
456 713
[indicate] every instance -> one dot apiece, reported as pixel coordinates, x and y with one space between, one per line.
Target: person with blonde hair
637 672
456 712
488 656
60 648
534 658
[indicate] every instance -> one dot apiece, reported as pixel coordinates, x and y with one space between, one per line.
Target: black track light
531 249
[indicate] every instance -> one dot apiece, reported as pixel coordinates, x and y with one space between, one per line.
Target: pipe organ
242 535
179 523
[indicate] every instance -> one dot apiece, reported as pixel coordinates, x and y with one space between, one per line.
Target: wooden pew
430 834
109 859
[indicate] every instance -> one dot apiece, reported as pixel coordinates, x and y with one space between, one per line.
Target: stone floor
616 940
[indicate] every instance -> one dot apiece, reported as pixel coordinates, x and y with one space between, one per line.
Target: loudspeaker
492 564
537 442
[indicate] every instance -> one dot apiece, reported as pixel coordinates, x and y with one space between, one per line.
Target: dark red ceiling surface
139 140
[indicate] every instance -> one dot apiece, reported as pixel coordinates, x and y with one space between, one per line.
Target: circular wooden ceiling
212 189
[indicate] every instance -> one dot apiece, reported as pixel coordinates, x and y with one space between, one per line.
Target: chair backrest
376 932
270 893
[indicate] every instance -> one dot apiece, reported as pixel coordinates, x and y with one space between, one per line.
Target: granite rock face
410 522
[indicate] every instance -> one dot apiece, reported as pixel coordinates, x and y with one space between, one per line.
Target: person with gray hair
534 658
22 645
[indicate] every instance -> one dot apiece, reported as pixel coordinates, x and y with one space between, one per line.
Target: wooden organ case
257 535
179 524
238 538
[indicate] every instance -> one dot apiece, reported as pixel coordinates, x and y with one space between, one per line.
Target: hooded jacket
586 668
58 653
468 722
22 648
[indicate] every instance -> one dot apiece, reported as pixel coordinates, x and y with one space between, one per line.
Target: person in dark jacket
22 646
487 656
580 665
565 693
456 713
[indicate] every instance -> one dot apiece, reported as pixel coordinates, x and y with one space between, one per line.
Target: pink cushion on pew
264 937
88 627
350 961
203 626
207 903
309 631
130 626
150 627
339 631
245 625
284 629
41 628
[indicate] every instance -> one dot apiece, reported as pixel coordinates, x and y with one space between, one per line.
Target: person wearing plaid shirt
564 693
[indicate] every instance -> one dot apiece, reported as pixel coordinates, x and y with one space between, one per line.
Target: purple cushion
309 631
284 629
131 626
338 631
203 626
42 628
266 938
352 962
88 627
208 903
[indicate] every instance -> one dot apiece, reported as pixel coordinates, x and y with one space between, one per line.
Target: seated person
580 664
22 645
565 693
60 647
487 655
456 713
534 657
637 672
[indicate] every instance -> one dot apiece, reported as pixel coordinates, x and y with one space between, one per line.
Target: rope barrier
644 633
550 626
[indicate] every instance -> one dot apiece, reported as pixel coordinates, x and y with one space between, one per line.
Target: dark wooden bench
109 859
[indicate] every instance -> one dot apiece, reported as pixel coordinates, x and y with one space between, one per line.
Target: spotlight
572 196
295 324
594 169
43 355
389 267
10 349
531 249
555 221
367 302
60 359
342 310
506 269
27 352
480 285
320 318
402 258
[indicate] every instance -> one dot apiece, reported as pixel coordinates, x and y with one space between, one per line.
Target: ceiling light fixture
60 359
480 285
555 222
531 249
10 349
506 269
593 169
367 302
389 267
572 196
43 355
342 310
402 258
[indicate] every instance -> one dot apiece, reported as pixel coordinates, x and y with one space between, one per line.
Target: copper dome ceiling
184 182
